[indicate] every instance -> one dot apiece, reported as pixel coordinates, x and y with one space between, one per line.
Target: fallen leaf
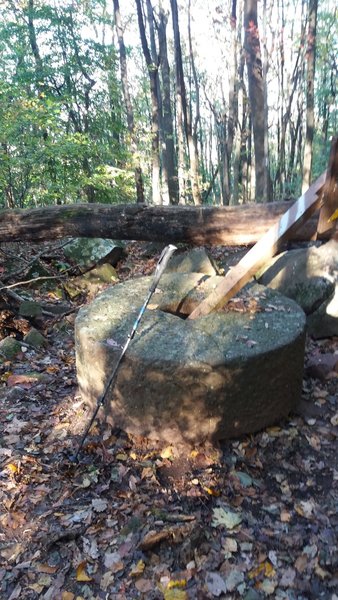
99 505
175 594
81 574
153 538
67 596
90 548
244 478
112 561
144 585
305 508
264 568
177 583
224 517
288 578
44 580
215 584
267 586
44 568
168 452
334 420
137 569
12 468
16 426
25 381
122 457
107 580
234 579
301 563
35 587
285 516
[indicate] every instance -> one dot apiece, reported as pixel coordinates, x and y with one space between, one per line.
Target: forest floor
253 518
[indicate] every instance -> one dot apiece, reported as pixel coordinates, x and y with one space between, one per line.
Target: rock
310 277
321 365
91 281
56 308
151 248
192 261
38 270
88 252
12 394
9 348
29 308
35 338
224 375
324 321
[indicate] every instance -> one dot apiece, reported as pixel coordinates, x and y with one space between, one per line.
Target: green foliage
61 124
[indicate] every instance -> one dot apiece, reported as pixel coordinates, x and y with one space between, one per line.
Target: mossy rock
9 348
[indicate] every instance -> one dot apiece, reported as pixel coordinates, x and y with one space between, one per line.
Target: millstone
226 374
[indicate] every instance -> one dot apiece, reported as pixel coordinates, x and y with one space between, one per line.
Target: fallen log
198 225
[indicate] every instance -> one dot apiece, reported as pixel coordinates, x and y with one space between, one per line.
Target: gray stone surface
220 376
91 282
29 308
310 277
35 338
192 261
91 251
9 348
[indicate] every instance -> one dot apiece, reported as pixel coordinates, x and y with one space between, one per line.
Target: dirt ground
252 518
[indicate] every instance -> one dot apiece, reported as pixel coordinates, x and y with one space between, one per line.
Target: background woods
164 101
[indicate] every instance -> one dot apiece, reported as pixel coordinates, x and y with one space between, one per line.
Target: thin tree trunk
155 109
168 153
256 95
182 105
310 96
127 101
193 126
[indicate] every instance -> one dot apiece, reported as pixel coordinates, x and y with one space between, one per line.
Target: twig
10 294
41 277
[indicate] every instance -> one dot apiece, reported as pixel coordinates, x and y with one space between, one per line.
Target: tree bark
127 101
198 225
256 95
310 93
182 105
169 164
155 109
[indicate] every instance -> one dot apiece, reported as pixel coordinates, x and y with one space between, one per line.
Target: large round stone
223 375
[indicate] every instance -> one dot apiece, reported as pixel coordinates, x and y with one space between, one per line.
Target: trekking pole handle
167 252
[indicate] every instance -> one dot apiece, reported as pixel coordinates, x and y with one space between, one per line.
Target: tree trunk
256 95
310 93
194 225
182 102
192 125
127 101
155 109
167 118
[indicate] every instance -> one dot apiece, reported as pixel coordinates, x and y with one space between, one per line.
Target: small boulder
9 348
88 252
91 282
38 270
35 339
29 308
193 261
322 365
324 321
310 277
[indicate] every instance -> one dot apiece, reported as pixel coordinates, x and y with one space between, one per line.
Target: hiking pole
160 267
